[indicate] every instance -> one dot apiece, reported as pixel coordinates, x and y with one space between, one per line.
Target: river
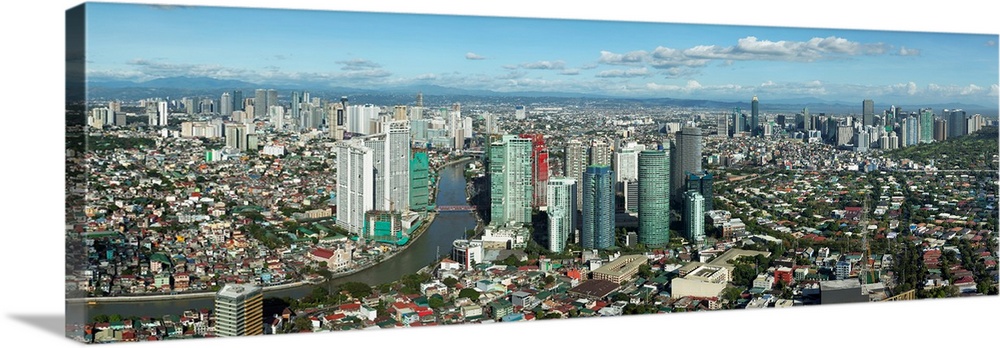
447 227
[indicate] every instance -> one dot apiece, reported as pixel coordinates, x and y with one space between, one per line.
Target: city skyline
623 59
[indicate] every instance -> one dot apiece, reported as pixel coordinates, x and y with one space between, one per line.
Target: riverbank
432 215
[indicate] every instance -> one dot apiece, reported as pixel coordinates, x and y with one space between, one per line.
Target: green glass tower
419 184
654 198
598 230
694 219
510 180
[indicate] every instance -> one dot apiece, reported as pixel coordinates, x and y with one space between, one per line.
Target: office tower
957 123
259 103
686 159
539 168
737 123
225 104
926 126
272 98
120 118
626 164
510 180
399 113
630 191
419 181
239 310
355 184
941 129
868 112
490 121
574 164
913 130
754 114
296 100
519 113
701 182
722 129
600 153
161 112
337 116
694 217
561 211
420 99
237 99
654 197
276 115
598 228
398 164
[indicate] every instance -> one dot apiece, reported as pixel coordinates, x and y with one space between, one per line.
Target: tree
732 294
450 282
469 293
645 271
356 289
303 323
436 301
101 318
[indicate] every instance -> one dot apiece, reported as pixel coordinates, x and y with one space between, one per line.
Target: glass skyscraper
598 230
561 211
510 180
654 198
694 219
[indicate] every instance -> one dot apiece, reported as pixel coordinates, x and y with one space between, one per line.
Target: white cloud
358 64
991 43
473 56
994 91
570 72
545 65
623 73
630 58
903 51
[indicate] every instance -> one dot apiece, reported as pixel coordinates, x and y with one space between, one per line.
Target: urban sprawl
583 209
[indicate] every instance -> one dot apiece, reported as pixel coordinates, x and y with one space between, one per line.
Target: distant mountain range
176 87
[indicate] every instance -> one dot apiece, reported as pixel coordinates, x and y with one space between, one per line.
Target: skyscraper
161 110
598 208
926 126
722 129
510 180
225 104
868 112
574 165
600 153
239 311
654 197
754 114
237 97
694 217
539 168
296 100
259 103
686 159
419 184
701 182
355 184
272 98
519 112
561 211
737 122
398 165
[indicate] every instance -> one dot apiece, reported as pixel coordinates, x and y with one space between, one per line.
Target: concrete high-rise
737 122
398 165
539 168
574 164
355 184
598 216
694 217
701 182
600 153
654 197
561 211
754 116
868 112
239 311
162 112
685 159
722 128
272 98
510 180
225 104
259 103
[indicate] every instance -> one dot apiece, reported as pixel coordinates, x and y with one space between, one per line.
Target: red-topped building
539 168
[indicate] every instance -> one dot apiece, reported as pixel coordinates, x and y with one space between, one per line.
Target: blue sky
369 50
